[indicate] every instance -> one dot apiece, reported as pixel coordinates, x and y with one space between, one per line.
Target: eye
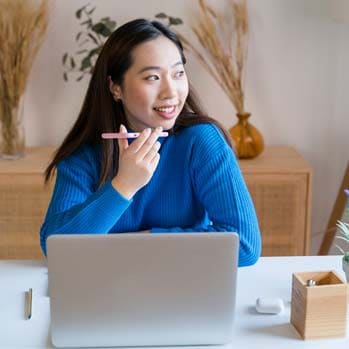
180 74
152 78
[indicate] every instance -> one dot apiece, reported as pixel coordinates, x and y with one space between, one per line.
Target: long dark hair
100 113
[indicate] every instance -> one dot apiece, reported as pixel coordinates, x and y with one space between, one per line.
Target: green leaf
111 25
95 51
82 51
85 63
78 36
344 228
93 38
65 76
72 62
175 21
101 29
64 59
79 12
342 238
88 22
161 15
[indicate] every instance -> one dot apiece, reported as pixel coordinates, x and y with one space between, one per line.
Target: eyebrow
154 67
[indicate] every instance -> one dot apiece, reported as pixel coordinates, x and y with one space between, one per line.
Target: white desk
270 277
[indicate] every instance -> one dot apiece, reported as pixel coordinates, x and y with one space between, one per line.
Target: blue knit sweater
197 186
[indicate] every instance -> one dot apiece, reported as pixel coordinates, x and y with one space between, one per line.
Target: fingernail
159 129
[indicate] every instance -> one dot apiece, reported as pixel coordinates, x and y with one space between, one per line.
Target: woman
188 181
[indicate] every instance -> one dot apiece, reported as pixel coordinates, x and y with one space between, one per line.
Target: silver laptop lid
142 289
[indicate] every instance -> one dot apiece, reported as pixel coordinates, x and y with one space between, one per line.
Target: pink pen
127 135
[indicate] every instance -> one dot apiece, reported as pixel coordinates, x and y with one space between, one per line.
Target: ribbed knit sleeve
76 206
221 189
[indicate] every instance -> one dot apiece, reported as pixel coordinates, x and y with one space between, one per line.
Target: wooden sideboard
279 181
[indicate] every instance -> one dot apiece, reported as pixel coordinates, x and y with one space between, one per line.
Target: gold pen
29 303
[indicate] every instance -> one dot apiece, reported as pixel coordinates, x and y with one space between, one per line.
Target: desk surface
270 277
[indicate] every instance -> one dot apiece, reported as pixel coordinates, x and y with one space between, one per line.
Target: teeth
166 110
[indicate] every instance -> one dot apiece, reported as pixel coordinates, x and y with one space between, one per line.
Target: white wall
295 88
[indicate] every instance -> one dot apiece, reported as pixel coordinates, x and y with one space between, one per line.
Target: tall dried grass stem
222 41
23 24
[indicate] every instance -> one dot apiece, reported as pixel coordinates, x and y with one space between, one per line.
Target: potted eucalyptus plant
90 40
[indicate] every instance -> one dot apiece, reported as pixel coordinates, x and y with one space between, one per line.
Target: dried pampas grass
23 25
223 40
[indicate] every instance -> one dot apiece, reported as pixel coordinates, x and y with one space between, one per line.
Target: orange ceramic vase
248 140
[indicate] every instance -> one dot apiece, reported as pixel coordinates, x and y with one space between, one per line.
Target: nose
168 88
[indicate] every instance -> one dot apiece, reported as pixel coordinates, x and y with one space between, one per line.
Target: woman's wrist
122 188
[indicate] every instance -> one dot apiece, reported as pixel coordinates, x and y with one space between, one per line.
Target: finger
155 161
123 143
152 152
149 143
140 140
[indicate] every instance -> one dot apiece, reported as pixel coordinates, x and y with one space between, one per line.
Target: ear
114 89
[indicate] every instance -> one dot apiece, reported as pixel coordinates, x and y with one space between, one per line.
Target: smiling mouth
166 110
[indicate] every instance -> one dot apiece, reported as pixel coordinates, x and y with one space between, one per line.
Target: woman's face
155 87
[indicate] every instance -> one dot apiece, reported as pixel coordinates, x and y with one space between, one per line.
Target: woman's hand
137 161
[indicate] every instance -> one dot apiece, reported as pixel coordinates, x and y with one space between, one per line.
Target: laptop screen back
142 289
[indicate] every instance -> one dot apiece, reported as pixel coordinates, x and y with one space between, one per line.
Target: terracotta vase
248 140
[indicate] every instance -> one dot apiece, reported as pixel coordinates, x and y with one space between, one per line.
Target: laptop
142 289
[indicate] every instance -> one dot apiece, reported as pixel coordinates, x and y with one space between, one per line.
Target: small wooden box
319 311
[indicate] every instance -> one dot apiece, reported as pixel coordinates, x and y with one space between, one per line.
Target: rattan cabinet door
23 204
281 204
